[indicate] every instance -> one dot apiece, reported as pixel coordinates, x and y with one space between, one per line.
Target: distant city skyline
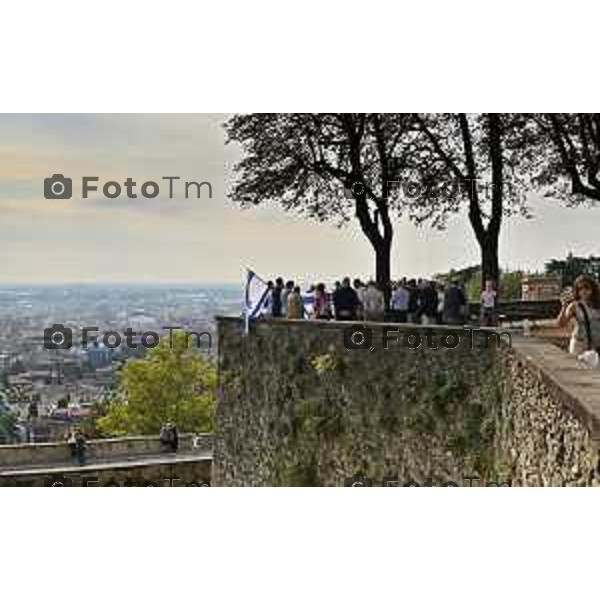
207 241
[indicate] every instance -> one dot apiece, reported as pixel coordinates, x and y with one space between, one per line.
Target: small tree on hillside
170 384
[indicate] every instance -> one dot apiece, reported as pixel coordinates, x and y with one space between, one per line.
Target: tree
170 384
327 166
8 427
573 266
487 160
470 279
571 145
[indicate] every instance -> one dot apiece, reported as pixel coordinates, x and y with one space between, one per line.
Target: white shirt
488 299
374 301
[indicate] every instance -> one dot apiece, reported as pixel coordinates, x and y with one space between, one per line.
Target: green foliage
170 384
470 278
8 432
510 285
319 418
316 421
324 363
573 266
445 400
445 389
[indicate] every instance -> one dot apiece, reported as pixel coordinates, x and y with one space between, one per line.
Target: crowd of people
426 302
410 301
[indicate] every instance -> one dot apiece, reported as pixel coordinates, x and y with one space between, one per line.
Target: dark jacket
428 302
454 301
345 302
276 302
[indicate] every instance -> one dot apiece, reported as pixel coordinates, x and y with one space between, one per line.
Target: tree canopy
573 266
8 423
175 384
376 167
571 150
327 166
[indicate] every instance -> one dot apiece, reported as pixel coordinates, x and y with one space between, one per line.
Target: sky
179 240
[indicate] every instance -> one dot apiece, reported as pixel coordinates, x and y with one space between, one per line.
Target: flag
255 297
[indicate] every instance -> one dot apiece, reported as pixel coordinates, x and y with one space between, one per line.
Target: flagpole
256 275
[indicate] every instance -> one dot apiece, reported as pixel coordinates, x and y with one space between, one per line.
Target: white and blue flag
256 297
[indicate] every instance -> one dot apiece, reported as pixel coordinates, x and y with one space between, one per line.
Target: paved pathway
112 463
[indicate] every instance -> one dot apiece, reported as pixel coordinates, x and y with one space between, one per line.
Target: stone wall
169 471
297 408
15 455
135 461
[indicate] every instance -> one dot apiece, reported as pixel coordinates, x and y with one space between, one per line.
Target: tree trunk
383 268
489 261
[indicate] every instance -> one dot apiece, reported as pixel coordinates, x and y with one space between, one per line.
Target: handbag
588 333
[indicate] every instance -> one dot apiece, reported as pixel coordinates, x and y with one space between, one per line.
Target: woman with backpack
583 306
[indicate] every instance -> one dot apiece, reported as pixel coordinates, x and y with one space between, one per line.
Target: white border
116 56
437 55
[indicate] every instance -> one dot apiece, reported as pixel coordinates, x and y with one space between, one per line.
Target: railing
16 455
